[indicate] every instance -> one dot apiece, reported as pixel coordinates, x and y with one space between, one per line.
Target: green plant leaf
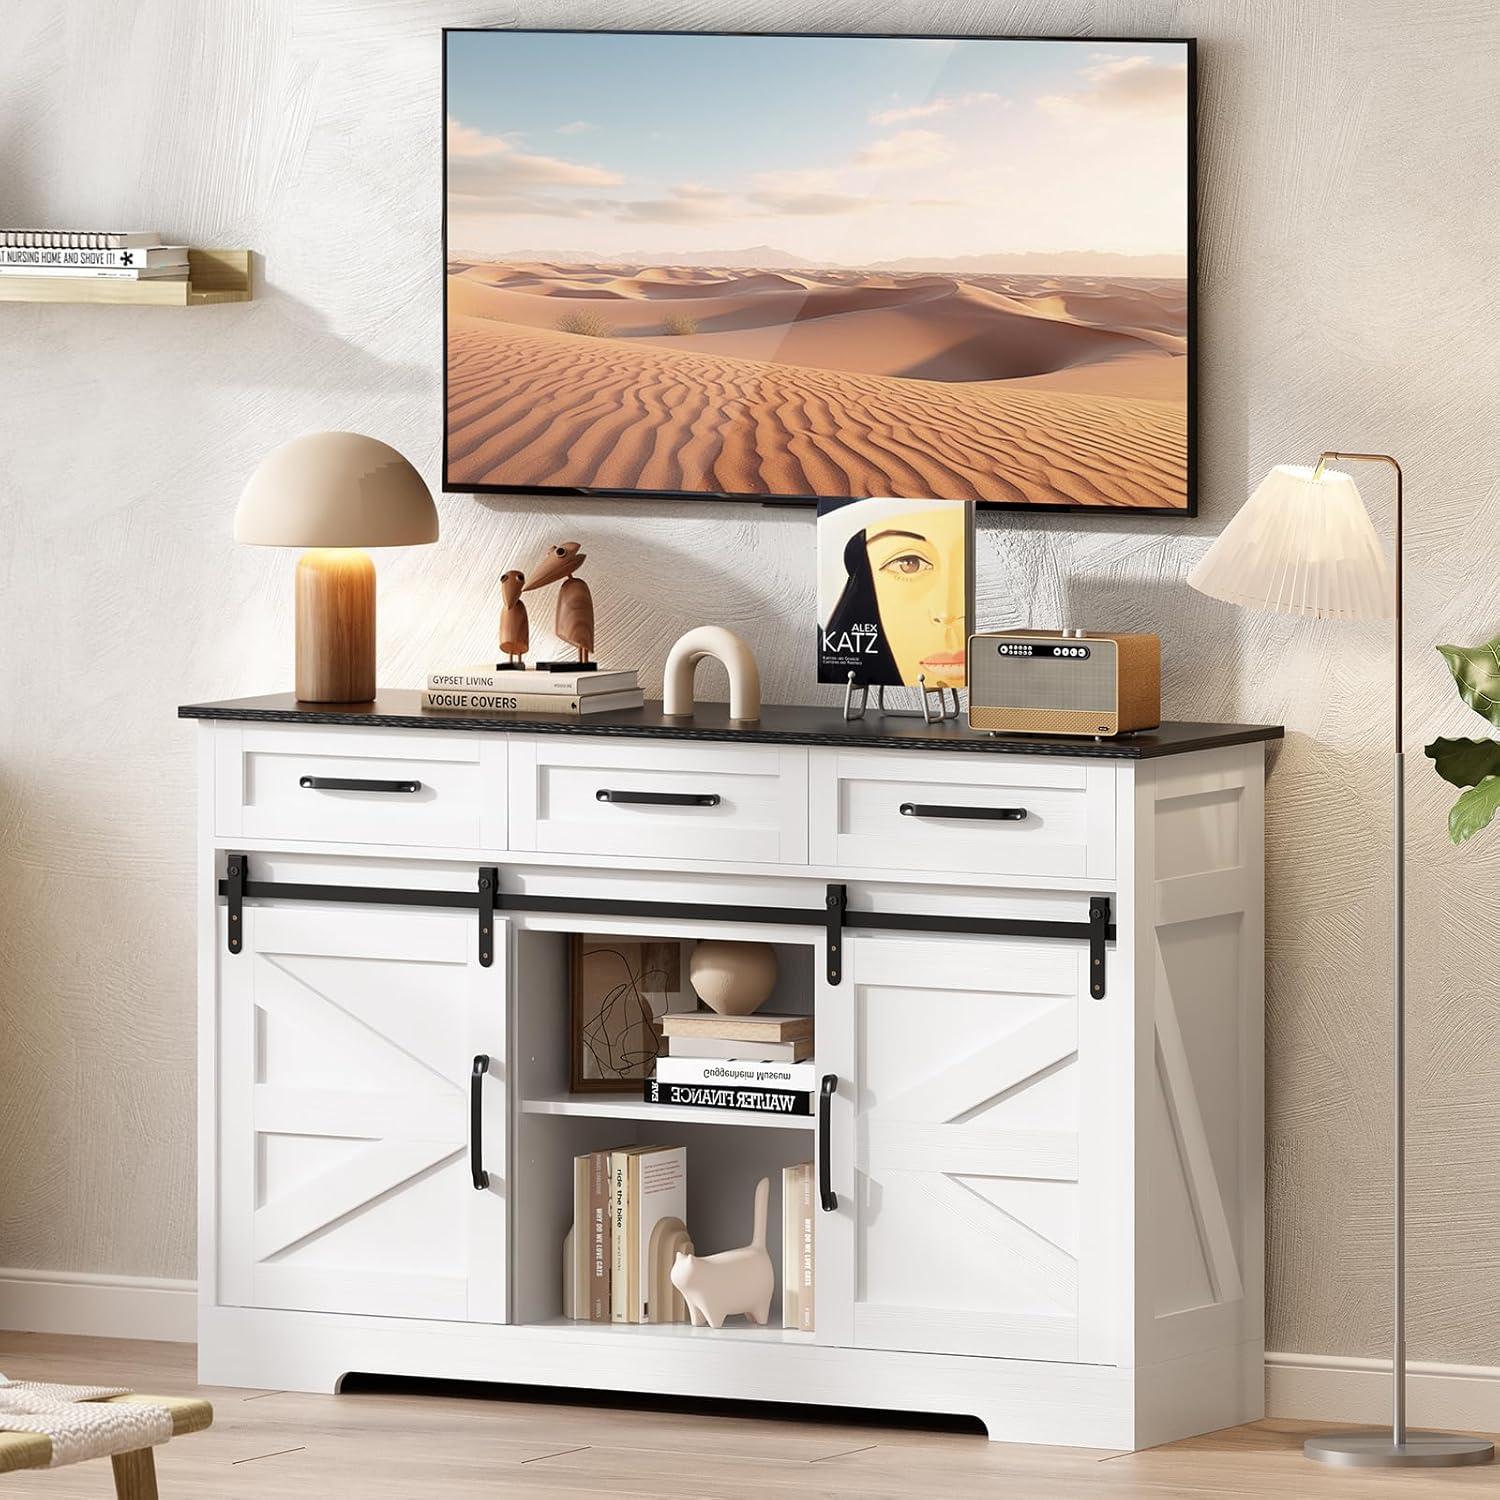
1476 670
1465 762
1474 809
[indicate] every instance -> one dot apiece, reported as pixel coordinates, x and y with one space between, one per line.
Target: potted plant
1472 764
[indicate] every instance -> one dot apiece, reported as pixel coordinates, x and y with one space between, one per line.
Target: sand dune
534 407
1032 390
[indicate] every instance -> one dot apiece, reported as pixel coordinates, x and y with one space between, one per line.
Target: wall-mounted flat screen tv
785 268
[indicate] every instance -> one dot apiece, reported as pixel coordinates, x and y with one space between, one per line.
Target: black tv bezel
551 492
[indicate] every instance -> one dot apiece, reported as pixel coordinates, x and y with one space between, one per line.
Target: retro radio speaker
1064 682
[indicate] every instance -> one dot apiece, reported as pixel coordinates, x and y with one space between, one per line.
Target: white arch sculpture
724 646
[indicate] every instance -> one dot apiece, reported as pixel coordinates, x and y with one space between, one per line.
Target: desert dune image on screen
805 267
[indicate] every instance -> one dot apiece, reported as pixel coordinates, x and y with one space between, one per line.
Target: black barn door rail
487 899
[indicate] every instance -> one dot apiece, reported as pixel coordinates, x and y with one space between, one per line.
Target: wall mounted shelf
213 276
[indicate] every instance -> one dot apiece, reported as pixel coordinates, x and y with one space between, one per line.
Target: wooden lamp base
335 626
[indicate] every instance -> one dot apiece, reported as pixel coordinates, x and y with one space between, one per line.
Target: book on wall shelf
79 239
129 268
125 262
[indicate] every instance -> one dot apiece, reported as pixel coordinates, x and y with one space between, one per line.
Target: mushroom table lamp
335 493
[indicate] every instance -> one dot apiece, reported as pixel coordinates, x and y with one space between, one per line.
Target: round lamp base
335 626
1377 1450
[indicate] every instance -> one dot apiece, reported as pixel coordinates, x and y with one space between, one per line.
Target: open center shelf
556 1123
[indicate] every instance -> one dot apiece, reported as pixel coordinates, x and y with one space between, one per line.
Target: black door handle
825 1157
476 1122
982 814
659 799
356 784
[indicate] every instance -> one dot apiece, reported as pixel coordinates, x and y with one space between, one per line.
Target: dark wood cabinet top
401 708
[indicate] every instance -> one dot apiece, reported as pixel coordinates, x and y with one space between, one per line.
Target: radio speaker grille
1039 682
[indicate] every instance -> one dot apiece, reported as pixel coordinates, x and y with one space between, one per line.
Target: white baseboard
1334 1388
108 1307
1316 1387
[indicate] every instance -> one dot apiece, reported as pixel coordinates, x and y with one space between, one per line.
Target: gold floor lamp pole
1304 544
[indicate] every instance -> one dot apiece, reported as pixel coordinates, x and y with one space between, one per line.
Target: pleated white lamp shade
1300 546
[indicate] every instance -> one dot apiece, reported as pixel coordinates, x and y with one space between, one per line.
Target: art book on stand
895 592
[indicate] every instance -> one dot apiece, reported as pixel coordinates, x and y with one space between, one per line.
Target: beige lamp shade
336 489
1300 545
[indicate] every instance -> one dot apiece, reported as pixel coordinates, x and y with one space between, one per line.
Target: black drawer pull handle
476 1122
825 1148
356 784
980 814
659 799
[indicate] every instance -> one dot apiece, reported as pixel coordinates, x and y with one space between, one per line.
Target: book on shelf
38 258
708 1046
750 1101
659 1188
759 1027
527 680
589 1281
798 1238
647 1184
599 1237
740 1072
465 702
79 239
98 273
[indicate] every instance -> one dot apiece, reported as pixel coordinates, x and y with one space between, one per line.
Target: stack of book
757 1064
115 255
626 1201
527 692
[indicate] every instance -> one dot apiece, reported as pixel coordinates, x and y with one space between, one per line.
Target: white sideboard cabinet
1035 969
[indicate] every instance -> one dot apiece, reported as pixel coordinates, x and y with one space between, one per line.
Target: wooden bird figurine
574 622
515 628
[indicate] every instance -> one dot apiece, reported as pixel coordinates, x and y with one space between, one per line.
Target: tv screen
792 268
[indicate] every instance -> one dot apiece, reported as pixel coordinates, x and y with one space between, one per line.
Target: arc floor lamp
1304 544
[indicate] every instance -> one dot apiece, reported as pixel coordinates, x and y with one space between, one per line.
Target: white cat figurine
716 1287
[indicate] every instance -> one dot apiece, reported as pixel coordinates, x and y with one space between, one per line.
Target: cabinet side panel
1199 1114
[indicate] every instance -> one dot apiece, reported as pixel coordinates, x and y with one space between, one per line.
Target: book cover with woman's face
895 591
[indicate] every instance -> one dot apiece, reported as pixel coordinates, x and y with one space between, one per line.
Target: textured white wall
1348 298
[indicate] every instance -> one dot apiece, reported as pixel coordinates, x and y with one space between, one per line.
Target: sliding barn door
347 1045
972 1140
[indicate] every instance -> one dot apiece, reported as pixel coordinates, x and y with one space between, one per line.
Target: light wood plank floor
284 1446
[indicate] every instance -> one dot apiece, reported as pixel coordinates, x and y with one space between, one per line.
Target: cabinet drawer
647 798
361 787
969 814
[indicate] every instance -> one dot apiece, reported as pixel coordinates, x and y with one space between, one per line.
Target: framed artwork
895 591
790 268
620 987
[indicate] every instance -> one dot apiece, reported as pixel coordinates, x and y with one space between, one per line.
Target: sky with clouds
841 150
